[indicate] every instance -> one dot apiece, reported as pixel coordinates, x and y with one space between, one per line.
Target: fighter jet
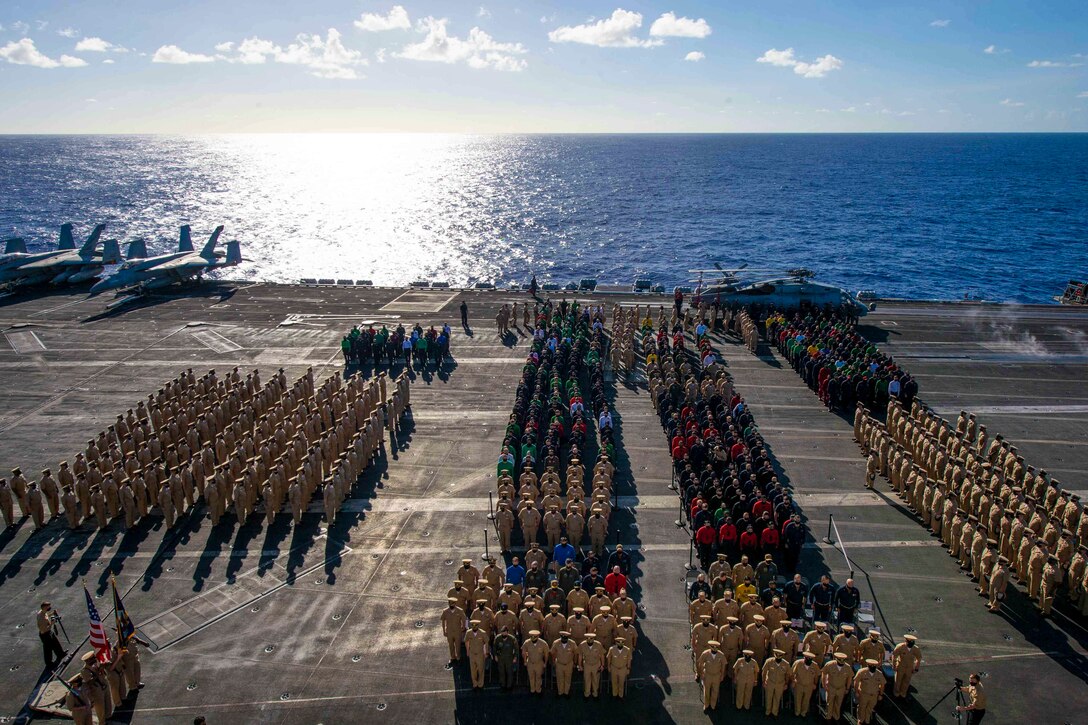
141 273
67 265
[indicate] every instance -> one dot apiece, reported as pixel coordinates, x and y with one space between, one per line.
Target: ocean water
1001 216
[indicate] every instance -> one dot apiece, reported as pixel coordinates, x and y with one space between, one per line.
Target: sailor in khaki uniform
776 678
476 645
453 627
837 676
869 689
712 667
619 666
805 677
563 655
591 661
745 676
535 654
906 660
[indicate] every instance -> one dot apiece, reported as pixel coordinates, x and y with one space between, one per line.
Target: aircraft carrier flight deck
308 624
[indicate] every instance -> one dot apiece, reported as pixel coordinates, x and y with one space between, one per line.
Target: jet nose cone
99 287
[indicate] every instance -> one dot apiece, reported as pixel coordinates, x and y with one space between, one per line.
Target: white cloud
253 51
478 50
994 50
379 55
823 110
397 19
940 23
108 61
1053 64
483 12
849 109
1011 103
786 59
174 55
42 24
670 26
23 52
20 27
324 57
97 45
778 57
614 31
694 56
92 100
1082 94
818 69
65 32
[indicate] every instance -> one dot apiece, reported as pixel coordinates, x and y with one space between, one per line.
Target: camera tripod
956 688
56 619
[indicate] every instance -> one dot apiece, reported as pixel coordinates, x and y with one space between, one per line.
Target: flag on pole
99 641
125 628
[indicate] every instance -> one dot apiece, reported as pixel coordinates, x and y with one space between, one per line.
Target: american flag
99 640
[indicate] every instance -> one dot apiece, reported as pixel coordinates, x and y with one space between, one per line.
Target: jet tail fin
111 252
15 245
88 247
67 241
209 249
137 249
185 244
234 252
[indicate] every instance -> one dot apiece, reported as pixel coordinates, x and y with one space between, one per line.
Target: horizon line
5 134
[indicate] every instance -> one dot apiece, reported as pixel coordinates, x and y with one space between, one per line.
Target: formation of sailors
998 516
735 504
98 688
748 331
625 321
501 618
837 362
362 345
561 614
231 441
550 422
745 629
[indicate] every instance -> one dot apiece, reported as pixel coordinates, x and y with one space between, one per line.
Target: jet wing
192 263
40 265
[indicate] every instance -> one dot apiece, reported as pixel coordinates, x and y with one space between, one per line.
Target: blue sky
337 65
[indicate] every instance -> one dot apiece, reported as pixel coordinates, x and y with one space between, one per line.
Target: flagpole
116 612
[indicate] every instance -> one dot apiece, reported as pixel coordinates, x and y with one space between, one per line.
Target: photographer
976 700
51 648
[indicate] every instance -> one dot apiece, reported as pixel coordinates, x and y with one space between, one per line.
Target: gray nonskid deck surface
277 625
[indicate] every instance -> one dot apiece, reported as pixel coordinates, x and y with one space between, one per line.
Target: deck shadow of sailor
71 542
218 537
303 538
180 533
130 541
239 551
274 535
102 539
